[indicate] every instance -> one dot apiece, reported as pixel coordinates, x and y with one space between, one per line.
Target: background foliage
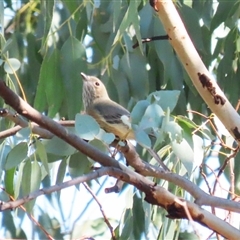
56 40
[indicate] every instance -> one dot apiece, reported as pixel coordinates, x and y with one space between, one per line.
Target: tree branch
201 78
101 209
154 194
22 123
201 197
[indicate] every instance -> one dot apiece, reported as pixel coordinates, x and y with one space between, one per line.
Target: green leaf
186 121
191 21
222 13
35 176
173 130
47 10
142 138
176 75
58 147
61 171
185 153
134 66
17 186
86 127
73 63
164 51
116 13
82 25
127 225
16 155
23 133
100 146
166 99
122 87
61 174
8 219
107 138
138 111
50 85
188 236
9 181
4 151
11 65
34 62
138 216
30 180
26 178
7 45
41 152
71 6
78 165
152 117
131 16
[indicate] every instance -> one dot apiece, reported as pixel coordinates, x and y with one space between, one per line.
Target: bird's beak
84 76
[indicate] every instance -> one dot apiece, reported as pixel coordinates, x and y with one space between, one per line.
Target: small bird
105 111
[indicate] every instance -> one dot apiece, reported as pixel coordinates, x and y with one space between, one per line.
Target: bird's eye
97 84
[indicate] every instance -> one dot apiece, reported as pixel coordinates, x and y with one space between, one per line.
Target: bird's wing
111 111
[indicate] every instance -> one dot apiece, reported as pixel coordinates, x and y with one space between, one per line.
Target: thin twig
101 209
30 216
221 170
54 188
205 179
190 219
155 38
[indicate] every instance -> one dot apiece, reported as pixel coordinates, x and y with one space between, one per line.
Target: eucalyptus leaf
185 153
58 147
7 46
100 146
152 117
108 138
166 99
86 126
9 181
138 111
142 138
73 62
50 85
78 164
11 65
174 131
41 152
16 155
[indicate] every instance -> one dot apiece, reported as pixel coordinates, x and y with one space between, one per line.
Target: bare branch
10 132
191 61
154 195
200 196
22 123
101 209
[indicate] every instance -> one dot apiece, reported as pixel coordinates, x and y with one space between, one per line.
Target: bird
105 111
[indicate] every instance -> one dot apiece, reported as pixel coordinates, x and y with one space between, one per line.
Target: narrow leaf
16 155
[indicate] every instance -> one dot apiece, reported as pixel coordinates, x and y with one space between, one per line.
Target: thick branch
154 195
22 123
201 197
201 78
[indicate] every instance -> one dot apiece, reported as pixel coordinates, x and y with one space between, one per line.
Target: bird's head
93 89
